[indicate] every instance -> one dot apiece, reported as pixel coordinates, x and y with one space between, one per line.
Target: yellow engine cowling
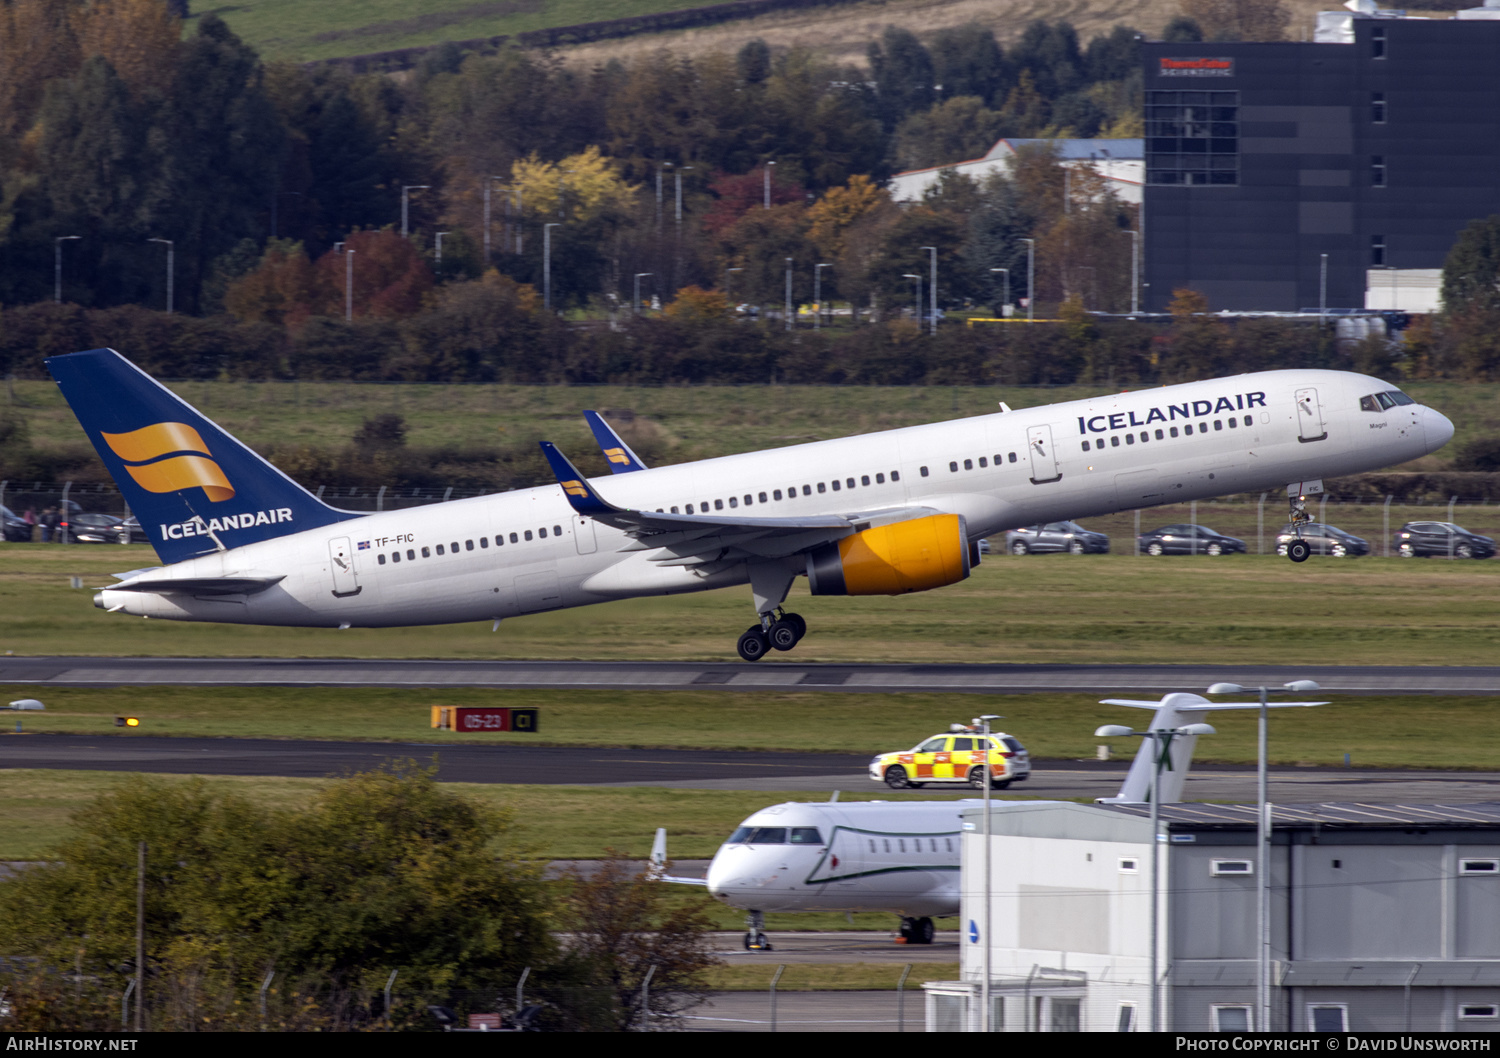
894 559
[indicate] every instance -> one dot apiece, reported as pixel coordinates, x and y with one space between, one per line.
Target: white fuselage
998 471
898 856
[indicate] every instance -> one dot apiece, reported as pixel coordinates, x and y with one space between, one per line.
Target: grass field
1041 608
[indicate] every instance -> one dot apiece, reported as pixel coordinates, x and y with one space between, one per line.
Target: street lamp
768 184
406 190
1030 278
916 304
171 251
1160 755
983 723
1005 300
1262 839
635 304
818 295
932 287
547 263
57 266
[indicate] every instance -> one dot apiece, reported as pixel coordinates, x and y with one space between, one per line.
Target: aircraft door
583 535
341 563
1310 424
1044 465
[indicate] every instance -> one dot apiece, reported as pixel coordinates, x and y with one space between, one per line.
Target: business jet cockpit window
806 836
1381 401
758 836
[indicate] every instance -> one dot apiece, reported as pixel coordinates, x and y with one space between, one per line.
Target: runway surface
770 773
777 674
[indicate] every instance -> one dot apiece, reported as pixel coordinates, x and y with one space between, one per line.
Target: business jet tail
656 869
194 488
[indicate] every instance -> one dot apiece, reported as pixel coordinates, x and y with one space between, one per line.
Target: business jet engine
895 559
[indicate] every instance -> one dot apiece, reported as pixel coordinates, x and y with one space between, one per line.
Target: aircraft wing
621 459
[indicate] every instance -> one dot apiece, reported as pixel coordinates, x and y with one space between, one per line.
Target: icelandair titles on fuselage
1123 420
198 527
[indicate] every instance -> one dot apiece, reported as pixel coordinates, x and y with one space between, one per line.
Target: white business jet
899 856
877 514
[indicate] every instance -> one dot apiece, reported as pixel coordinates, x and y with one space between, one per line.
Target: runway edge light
127 721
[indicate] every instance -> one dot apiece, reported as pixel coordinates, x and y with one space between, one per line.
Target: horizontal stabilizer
621 459
246 584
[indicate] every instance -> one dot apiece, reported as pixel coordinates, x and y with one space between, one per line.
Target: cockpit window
806 836
741 835
1393 398
767 836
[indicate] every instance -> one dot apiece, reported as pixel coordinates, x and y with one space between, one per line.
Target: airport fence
1255 518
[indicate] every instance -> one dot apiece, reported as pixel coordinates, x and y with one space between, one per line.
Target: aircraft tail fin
621 459
194 488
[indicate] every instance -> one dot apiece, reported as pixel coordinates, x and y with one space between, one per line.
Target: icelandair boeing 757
877 514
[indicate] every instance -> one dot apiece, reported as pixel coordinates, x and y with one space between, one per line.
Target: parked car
1056 536
1190 540
1323 540
16 530
132 533
1441 538
95 529
954 758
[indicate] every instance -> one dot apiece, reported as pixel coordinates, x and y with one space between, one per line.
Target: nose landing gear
755 936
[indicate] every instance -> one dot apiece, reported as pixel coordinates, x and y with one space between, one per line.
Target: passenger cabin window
426 553
440 549
484 541
924 472
835 484
953 467
528 535
822 487
896 474
513 538
849 483
968 464
380 558
468 545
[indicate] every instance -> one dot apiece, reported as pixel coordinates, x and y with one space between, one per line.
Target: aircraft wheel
1154 549
796 621
923 931
753 644
1298 550
895 777
783 635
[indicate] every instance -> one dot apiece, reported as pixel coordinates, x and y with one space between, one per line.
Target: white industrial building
1384 918
1120 162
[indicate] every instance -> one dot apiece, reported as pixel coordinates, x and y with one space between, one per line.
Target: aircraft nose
1438 427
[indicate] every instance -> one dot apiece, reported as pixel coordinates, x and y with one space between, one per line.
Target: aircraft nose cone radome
1439 429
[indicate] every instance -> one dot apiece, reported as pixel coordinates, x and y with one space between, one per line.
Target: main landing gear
776 629
1297 549
755 932
918 930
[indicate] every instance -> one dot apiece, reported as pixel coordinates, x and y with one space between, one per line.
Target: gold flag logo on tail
616 455
575 488
177 470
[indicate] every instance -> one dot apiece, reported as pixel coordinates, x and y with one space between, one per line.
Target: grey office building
1285 176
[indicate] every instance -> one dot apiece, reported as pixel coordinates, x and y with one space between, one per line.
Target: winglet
621 459
575 486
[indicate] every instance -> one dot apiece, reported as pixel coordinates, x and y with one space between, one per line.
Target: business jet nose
1438 428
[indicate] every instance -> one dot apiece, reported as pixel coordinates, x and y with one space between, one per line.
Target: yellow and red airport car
957 757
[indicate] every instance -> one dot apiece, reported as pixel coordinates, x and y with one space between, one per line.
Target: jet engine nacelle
893 559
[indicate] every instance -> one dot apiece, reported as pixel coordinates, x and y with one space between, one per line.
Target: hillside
296 31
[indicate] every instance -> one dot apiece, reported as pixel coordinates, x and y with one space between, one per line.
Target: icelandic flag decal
364 545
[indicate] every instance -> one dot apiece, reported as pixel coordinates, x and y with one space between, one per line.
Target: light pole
818 295
788 293
547 264
57 265
171 252
727 273
1160 753
406 190
1262 843
768 185
1030 279
1005 299
932 286
984 987
1135 271
635 304
439 261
